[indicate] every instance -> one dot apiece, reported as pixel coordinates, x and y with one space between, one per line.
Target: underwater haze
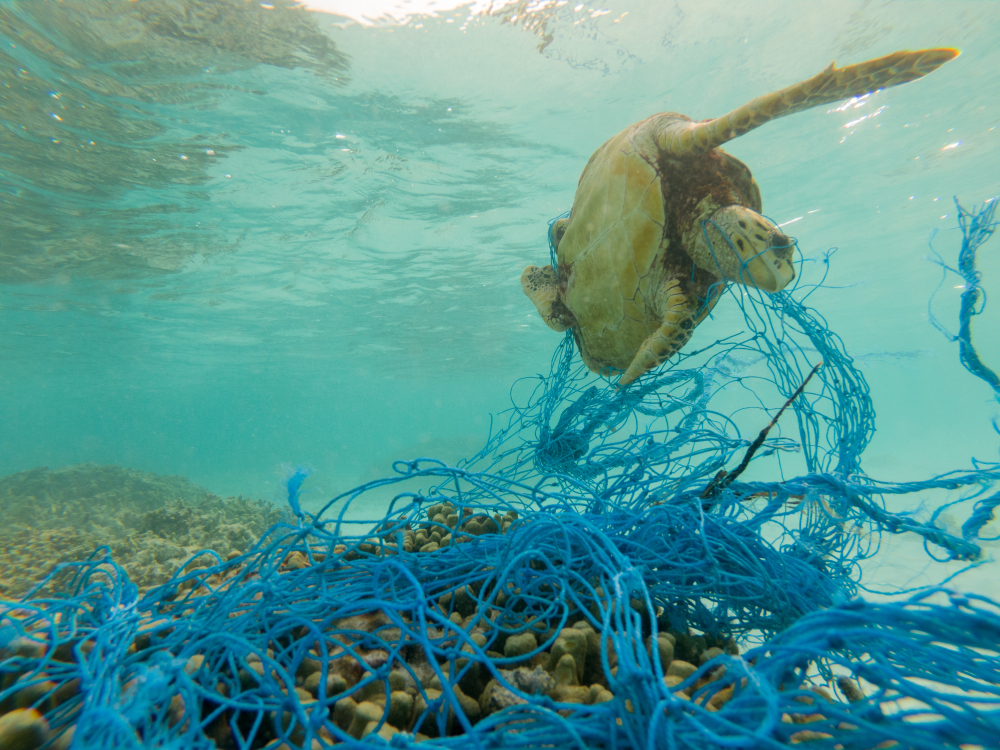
289 458
240 237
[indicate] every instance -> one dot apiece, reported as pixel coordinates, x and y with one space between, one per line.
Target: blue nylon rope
611 530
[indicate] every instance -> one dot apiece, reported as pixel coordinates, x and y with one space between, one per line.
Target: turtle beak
771 270
760 254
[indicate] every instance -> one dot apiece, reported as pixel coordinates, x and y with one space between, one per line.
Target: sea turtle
663 220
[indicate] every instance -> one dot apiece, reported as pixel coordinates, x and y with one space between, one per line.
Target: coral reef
373 671
150 524
448 621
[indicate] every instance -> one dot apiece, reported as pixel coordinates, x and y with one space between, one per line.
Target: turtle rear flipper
832 85
673 333
542 287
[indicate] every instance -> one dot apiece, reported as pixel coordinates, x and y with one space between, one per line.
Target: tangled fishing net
593 578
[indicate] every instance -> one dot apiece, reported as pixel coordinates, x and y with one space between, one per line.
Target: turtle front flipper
542 287
679 321
832 85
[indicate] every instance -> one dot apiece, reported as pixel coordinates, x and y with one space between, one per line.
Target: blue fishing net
601 574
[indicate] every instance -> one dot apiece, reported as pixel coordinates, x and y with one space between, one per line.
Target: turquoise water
236 236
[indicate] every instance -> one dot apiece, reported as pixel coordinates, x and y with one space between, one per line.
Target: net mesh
574 584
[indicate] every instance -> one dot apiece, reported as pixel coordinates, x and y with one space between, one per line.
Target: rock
26 647
364 713
66 691
593 639
710 654
602 694
35 694
682 669
573 642
335 684
194 664
823 693
311 683
572 694
481 524
496 697
808 735
429 725
718 700
850 689
343 712
400 709
65 740
665 647
531 681
386 732
23 729
475 677
307 667
295 561
520 644
176 711
469 706
689 647
371 691
250 678
566 671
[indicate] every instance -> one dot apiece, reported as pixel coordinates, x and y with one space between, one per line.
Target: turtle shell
625 237
639 265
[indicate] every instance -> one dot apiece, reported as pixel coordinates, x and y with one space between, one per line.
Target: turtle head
556 231
746 247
